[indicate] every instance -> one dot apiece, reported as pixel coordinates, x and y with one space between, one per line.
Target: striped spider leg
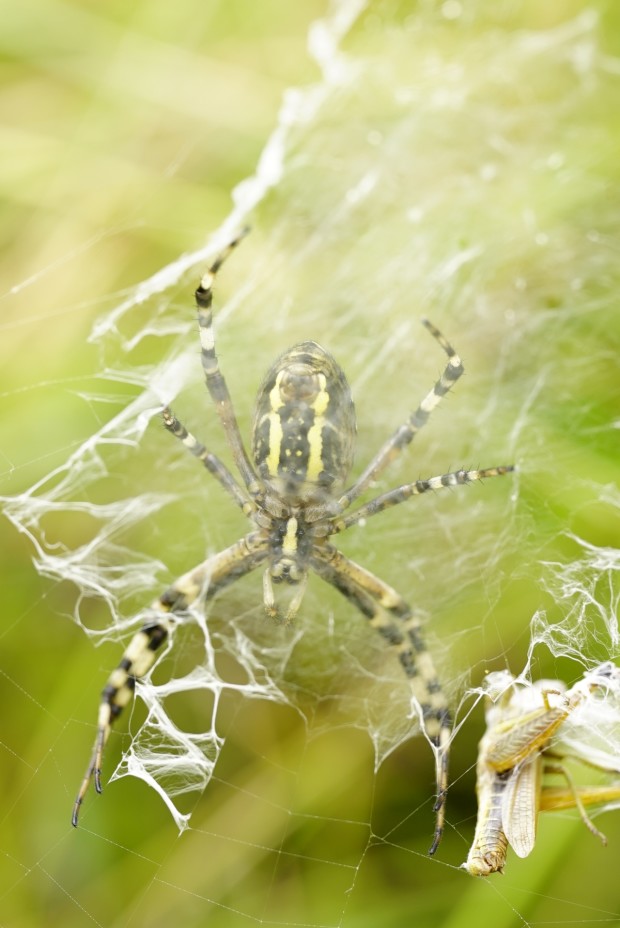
519 751
292 492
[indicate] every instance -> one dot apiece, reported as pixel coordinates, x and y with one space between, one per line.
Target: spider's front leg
205 580
401 627
405 433
214 379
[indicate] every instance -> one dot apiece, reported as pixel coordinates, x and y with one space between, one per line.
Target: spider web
404 182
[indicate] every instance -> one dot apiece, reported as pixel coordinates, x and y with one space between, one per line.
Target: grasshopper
530 732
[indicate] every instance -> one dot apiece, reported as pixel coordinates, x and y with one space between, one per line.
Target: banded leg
405 434
211 462
400 494
401 627
205 580
214 378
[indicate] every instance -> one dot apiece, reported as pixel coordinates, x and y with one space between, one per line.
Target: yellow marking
435 484
143 663
207 281
104 716
207 339
412 623
123 697
275 428
427 673
189 586
315 433
275 396
388 598
138 652
118 678
380 620
136 647
429 402
289 545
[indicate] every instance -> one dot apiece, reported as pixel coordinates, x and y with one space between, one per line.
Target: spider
302 449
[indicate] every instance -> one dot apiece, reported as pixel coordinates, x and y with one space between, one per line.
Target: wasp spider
293 494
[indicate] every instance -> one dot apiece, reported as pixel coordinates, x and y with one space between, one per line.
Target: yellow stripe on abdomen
315 433
272 459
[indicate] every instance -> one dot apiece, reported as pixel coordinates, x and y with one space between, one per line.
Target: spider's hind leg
401 627
406 432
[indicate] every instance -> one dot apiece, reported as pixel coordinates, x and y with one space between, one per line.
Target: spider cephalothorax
293 494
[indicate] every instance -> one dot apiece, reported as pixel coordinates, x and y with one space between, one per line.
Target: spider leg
211 462
405 434
214 378
401 627
400 494
206 580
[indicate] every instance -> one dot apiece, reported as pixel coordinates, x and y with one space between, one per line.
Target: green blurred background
126 126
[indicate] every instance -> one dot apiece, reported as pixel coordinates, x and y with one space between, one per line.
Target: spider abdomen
304 425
